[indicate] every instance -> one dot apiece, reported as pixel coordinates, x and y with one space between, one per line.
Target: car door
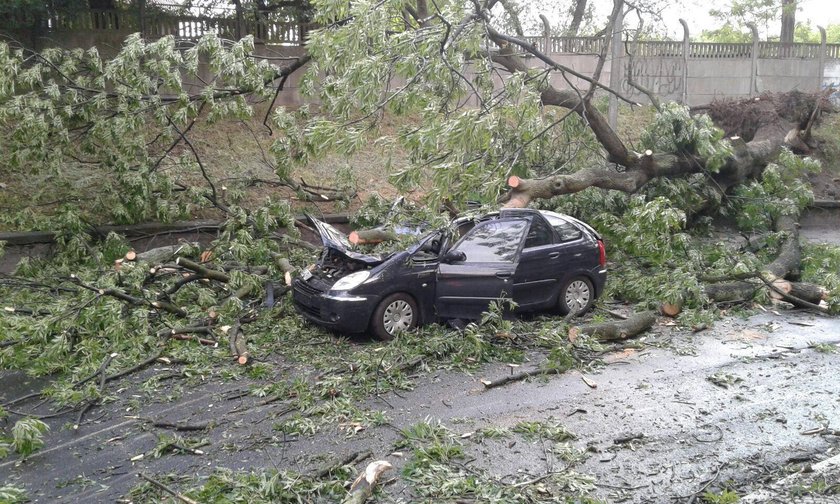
464 289
539 269
578 250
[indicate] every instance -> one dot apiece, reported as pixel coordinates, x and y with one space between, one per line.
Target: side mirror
453 256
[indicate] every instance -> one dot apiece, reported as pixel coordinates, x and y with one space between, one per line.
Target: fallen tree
467 135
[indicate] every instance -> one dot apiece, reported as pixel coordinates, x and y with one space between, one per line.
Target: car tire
577 291
396 313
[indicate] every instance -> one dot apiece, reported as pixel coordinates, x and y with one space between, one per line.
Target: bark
785 263
202 270
162 254
577 16
747 161
370 236
620 329
807 292
748 158
238 344
524 375
177 495
788 21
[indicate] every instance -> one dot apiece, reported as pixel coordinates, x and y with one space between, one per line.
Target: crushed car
541 260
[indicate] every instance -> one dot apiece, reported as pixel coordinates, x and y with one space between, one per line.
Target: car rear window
565 229
493 241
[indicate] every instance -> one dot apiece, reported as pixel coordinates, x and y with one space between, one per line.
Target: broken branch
362 488
621 329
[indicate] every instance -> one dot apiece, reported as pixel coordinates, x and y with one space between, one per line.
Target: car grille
307 297
313 286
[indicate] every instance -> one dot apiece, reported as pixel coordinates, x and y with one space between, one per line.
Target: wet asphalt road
768 391
741 403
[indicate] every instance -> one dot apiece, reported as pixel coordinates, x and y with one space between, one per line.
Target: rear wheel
396 313
577 295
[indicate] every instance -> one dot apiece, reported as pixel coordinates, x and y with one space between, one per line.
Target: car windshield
493 241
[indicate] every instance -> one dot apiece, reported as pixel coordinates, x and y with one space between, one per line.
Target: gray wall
711 71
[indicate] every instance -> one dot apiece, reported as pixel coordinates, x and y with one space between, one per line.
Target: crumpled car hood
335 240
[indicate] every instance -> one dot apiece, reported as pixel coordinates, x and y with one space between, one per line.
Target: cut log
800 290
202 270
620 329
162 254
285 266
371 236
130 255
362 488
786 263
670 309
238 344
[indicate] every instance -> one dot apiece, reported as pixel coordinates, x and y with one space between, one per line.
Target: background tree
788 21
765 14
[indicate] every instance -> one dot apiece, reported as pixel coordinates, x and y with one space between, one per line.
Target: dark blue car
542 260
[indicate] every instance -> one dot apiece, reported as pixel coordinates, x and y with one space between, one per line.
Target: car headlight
350 281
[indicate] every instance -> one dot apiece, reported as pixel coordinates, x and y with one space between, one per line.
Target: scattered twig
177 495
520 376
351 459
628 438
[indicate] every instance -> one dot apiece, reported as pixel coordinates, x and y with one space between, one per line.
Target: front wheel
396 313
577 294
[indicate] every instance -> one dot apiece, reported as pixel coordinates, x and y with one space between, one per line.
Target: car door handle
554 255
503 275
578 254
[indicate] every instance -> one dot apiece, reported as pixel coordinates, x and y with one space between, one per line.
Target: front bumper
341 312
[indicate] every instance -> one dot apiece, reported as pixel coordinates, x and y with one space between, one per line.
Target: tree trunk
788 22
577 16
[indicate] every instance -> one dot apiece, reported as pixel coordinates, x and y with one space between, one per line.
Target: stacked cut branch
772 276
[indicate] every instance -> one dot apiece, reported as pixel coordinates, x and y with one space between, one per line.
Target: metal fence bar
288 32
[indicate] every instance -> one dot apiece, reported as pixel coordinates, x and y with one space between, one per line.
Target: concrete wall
713 71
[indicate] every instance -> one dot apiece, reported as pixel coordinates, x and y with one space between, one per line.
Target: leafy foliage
435 471
10 494
58 108
676 131
821 265
27 436
725 497
782 190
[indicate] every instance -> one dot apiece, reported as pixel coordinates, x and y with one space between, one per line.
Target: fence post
822 58
685 51
754 68
546 36
615 67
141 17
239 28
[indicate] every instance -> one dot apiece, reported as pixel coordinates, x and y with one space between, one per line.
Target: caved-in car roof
335 240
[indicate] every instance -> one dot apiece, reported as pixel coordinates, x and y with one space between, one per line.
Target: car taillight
602 253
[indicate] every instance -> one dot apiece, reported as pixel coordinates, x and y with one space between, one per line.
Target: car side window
565 229
539 234
493 241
